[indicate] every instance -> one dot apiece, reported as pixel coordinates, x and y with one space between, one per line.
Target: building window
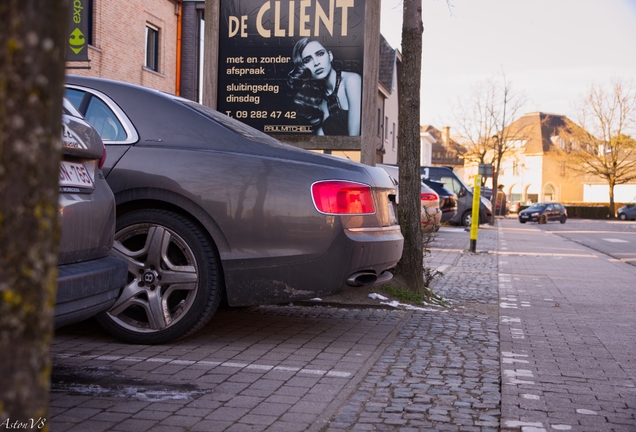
515 168
386 129
379 122
562 169
152 48
393 137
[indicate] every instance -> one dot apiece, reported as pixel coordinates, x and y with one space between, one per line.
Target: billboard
292 67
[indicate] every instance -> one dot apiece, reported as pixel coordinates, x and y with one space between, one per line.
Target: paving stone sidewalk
442 372
568 335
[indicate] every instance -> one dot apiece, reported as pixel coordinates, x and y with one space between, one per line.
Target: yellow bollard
474 225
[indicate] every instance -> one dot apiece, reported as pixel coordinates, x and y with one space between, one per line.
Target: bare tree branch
484 119
605 146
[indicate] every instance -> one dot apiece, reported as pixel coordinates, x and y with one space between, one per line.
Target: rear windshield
234 125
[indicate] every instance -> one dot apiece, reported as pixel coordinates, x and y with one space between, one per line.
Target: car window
451 183
536 207
105 121
74 97
69 109
98 114
550 207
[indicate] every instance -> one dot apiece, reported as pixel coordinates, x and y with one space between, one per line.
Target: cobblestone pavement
442 372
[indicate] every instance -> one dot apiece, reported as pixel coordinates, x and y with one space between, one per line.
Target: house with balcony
535 170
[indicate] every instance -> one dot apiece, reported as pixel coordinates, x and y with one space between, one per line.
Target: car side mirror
462 193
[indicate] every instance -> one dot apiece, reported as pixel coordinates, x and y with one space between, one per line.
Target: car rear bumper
448 215
431 219
87 288
354 251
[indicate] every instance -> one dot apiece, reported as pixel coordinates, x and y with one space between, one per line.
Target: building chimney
446 135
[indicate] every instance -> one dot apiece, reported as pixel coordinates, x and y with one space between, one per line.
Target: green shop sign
76 45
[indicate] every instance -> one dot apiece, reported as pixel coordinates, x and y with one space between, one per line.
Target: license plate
392 216
73 174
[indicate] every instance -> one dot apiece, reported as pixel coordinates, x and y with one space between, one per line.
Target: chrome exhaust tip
362 279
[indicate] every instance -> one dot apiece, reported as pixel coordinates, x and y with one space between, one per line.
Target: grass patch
404 295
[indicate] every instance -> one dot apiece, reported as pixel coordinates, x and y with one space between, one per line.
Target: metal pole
474 225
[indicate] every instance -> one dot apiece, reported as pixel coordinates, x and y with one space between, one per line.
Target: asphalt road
614 238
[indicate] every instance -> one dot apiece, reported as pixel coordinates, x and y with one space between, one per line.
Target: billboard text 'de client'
305 23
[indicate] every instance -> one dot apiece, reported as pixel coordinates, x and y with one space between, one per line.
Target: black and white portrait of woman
330 99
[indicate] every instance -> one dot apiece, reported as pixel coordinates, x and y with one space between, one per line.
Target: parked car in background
464 195
89 279
447 199
628 211
210 207
543 213
431 212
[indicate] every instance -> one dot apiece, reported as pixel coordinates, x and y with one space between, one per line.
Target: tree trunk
612 206
410 267
31 78
493 197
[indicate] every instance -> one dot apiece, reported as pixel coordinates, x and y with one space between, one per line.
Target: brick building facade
119 39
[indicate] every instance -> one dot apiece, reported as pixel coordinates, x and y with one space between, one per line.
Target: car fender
146 197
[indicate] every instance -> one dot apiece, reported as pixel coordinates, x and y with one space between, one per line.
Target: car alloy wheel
622 216
173 280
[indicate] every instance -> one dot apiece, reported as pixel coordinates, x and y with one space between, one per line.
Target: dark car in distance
447 199
543 213
89 279
210 208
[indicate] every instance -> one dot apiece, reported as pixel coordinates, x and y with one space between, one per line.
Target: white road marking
586 411
212 364
614 240
513 375
517 424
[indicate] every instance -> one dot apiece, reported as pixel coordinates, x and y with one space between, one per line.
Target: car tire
522 221
467 218
173 284
543 219
563 218
622 216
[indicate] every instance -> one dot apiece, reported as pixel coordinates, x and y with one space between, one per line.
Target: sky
550 51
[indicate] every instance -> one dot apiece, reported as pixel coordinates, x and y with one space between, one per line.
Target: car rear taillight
342 197
428 196
102 159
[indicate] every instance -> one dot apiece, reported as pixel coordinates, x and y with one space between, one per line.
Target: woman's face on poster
317 59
